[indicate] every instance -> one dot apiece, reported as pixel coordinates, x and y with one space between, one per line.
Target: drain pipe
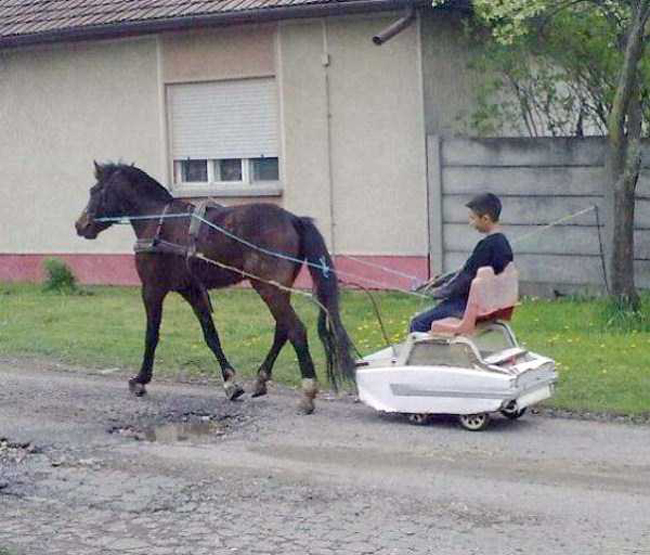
394 28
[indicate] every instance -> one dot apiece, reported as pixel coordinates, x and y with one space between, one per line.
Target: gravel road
86 469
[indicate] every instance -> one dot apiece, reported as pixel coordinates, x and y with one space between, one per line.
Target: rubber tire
513 414
418 418
474 422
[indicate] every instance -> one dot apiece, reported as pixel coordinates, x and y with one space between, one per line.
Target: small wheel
512 412
474 422
418 418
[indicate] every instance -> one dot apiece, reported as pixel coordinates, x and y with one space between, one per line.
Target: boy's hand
437 293
436 281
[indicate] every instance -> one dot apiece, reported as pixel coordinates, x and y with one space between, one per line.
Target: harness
157 245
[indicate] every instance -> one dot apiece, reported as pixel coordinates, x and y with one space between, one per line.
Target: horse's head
121 190
106 200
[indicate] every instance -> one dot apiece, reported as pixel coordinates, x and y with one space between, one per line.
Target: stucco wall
448 84
353 146
303 108
61 107
223 53
370 162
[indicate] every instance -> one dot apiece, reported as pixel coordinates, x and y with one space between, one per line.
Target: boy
494 250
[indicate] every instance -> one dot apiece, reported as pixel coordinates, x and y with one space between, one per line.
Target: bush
59 277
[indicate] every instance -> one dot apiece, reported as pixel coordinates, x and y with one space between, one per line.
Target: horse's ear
98 170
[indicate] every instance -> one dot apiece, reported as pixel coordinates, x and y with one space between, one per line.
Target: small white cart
468 369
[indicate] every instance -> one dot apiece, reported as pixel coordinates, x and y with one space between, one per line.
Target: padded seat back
490 297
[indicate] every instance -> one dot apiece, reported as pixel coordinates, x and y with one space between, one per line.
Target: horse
190 249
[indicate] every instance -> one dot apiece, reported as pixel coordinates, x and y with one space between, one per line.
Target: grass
601 354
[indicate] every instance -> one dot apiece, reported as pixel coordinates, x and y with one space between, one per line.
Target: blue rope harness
322 265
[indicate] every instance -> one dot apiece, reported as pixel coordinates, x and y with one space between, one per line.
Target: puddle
184 431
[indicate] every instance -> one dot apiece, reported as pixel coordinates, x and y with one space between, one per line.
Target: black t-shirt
494 250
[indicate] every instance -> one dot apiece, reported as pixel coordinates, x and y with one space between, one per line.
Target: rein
324 268
157 245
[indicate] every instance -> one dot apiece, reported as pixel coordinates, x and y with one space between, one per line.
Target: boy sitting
494 250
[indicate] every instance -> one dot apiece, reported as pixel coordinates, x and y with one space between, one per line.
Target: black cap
486 203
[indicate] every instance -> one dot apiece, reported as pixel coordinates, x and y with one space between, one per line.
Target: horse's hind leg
266 368
287 319
201 308
153 298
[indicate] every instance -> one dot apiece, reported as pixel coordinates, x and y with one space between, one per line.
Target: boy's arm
461 282
436 281
456 287
444 278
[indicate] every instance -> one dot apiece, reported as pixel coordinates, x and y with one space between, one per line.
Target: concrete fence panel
549 188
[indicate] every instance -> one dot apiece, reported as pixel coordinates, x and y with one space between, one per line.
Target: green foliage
619 316
59 277
552 66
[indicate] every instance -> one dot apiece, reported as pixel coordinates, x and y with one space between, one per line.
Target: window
224 136
242 171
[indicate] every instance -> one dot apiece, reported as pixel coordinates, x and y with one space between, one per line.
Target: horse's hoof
138 389
233 390
309 392
259 388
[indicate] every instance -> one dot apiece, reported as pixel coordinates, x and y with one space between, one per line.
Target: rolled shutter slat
224 119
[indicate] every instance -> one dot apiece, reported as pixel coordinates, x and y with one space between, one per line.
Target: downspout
328 124
395 28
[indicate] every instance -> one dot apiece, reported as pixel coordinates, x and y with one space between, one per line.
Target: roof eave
126 29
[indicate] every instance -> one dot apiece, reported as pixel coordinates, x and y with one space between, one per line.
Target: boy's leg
449 307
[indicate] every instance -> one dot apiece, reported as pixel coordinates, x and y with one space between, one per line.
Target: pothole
184 431
192 428
16 452
12 454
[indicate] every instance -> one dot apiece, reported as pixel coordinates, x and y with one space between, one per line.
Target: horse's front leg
153 298
201 307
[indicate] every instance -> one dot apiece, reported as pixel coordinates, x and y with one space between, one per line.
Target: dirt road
87 469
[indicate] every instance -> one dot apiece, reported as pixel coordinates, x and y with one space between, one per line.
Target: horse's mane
136 176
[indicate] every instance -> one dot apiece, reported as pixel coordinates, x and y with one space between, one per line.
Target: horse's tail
337 344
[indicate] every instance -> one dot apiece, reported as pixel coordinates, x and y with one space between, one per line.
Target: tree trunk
623 163
622 260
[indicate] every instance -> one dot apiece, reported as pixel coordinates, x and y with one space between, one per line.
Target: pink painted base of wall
373 272
95 269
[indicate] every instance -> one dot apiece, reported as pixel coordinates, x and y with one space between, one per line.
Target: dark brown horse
259 240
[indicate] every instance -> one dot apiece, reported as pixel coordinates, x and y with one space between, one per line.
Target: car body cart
471 367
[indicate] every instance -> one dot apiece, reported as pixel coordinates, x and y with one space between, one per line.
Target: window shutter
224 119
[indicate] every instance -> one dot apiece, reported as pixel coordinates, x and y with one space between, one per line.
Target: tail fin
337 344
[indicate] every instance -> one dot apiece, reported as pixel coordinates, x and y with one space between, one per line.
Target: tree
609 87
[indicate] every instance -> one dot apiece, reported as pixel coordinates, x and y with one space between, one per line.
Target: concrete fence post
434 200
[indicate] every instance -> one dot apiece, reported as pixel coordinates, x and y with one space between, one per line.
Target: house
282 101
